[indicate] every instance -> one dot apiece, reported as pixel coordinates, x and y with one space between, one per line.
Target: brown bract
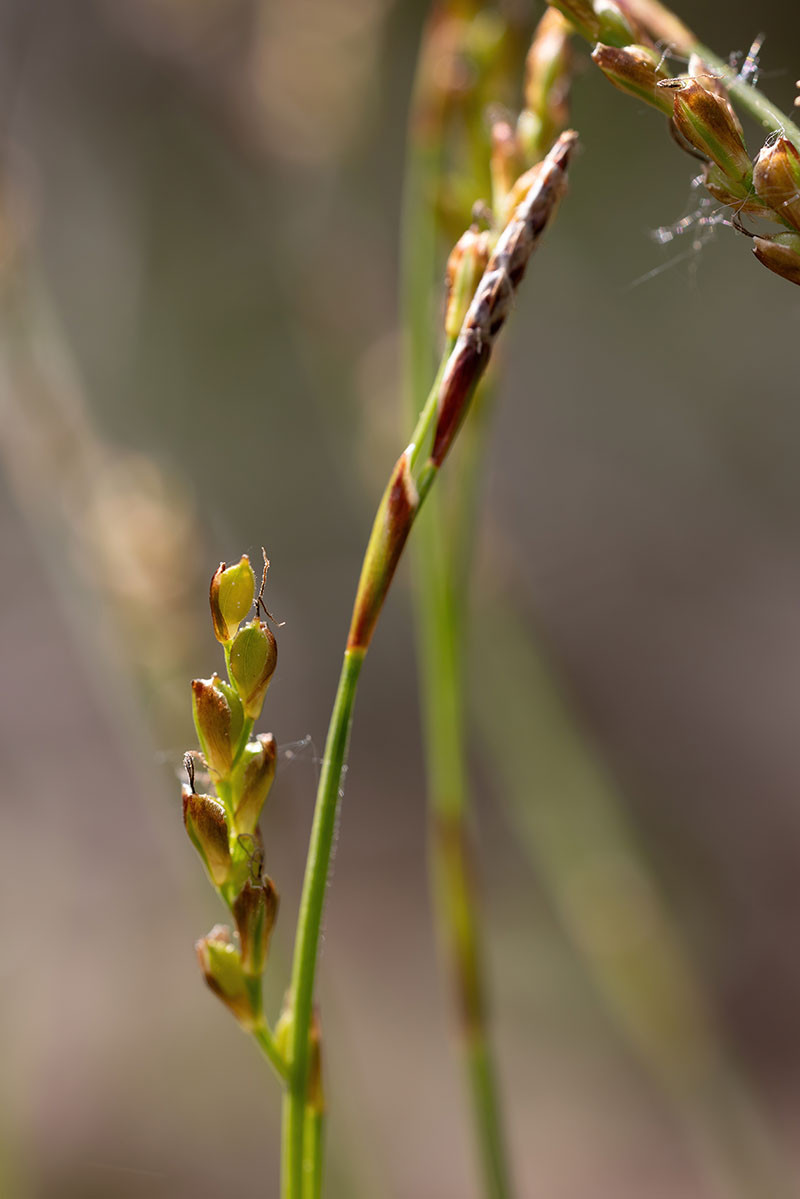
255 910
776 178
204 820
392 526
635 70
780 256
703 118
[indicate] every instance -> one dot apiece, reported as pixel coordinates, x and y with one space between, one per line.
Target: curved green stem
310 920
321 844
399 507
439 613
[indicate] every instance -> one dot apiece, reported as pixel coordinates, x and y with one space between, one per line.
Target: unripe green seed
231 597
253 658
221 964
615 28
252 780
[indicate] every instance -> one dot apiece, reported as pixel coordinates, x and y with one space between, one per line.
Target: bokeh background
199 356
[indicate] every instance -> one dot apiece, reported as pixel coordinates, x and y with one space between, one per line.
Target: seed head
231 597
581 14
636 70
395 516
505 163
465 267
780 254
205 822
776 177
254 656
218 718
255 910
547 82
702 72
600 21
221 964
616 27
703 119
252 780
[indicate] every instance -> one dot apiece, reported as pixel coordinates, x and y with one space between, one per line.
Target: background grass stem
439 610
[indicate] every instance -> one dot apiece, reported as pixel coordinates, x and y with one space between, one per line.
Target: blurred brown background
200 206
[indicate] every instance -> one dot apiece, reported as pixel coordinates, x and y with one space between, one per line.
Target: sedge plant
224 826
633 43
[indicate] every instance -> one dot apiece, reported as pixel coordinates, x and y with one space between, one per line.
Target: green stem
423 430
439 612
244 737
313 1153
489 1126
310 919
319 855
439 622
396 513
266 1043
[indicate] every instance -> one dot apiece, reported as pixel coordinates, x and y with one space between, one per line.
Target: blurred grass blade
569 819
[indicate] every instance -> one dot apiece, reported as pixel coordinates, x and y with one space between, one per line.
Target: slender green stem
244 737
440 620
318 863
423 430
266 1043
489 1126
396 513
439 611
291 1161
319 854
313 1153
439 623
310 920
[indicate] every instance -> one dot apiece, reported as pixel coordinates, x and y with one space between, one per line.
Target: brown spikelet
495 293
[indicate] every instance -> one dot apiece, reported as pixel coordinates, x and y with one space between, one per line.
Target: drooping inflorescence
632 52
